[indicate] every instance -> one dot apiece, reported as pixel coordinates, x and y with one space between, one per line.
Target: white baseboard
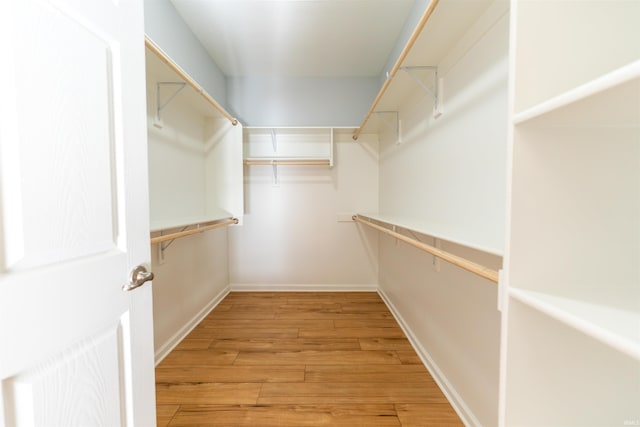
463 411
172 342
249 287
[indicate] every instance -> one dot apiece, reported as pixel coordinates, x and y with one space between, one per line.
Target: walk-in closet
330 212
487 192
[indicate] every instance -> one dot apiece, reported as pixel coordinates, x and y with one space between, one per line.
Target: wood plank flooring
298 359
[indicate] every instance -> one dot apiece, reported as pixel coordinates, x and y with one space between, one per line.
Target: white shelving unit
420 226
288 145
195 154
571 319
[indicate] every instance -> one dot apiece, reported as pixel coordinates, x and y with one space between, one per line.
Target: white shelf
614 327
561 45
443 33
158 71
166 224
559 376
421 227
288 144
571 343
609 90
195 155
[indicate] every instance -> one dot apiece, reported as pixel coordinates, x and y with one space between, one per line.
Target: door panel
64 153
75 385
74 348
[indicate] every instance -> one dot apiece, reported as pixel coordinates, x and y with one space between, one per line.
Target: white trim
447 388
269 287
172 342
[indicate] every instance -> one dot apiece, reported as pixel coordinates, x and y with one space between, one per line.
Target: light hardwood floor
298 359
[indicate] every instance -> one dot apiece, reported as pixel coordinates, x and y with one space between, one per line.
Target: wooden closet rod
471 266
288 162
184 76
407 48
171 236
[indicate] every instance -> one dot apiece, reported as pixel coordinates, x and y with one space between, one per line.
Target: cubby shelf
572 314
605 93
615 327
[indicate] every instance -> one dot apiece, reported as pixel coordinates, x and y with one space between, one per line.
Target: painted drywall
303 101
452 169
450 174
452 319
291 237
417 10
192 278
194 272
167 29
176 166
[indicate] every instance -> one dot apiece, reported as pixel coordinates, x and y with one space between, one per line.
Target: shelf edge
614 78
605 336
381 218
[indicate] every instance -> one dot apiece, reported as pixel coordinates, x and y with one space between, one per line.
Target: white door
75 349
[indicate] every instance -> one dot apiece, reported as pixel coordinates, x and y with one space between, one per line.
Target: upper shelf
161 68
603 101
547 66
288 145
444 28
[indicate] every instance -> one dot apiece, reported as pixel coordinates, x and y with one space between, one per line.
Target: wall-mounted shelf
480 270
571 317
194 150
288 146
436 35
419 226
188 230
165 70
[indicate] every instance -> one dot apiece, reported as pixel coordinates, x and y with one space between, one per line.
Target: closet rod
471 266
184 76
171 236
407 48
288 162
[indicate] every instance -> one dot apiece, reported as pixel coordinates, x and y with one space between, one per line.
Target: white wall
291 239
192 279
194 273
456 163
176 167
167 29
450 174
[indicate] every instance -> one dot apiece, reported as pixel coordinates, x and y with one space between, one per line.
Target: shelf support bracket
436 92
159 105
394 125
163 246
274 140
274 167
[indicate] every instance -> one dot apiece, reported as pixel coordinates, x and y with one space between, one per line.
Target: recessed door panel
82 386
63 170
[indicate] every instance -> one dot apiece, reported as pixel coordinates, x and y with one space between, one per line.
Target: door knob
138 277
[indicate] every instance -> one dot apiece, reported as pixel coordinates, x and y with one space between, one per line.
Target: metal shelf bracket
159 105
393 124
435 92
